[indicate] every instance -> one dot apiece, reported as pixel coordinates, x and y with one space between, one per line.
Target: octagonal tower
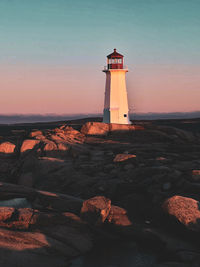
116 100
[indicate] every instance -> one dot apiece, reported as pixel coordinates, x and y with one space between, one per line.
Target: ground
137 170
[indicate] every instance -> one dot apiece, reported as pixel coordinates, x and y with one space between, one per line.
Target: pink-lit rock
7 148
185 210
28 144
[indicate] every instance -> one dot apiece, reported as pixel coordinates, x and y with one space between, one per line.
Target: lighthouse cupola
115 60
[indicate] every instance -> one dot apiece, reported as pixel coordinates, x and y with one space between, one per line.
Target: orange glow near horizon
64 90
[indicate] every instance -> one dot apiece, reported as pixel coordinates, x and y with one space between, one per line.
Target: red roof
115 54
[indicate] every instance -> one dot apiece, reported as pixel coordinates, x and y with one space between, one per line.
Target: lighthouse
116 100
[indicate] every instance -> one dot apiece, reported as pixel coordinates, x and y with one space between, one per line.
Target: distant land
32 118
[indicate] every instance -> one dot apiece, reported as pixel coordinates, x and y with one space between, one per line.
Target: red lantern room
115 60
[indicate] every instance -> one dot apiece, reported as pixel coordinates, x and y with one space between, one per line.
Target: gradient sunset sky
52 53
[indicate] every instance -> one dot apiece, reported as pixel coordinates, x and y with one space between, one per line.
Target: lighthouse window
125 115
120 61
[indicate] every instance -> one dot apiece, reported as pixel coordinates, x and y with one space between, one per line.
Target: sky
52 54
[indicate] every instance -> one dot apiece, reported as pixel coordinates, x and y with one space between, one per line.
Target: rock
188 256
118 216
56 137
173 131
166 186
5 166
137 206
15 218
95 210
185 210
58 148
128 167
26 179
16 203
47 200
71 131
161 158
95 128
73 232
24 218
124 127
40 137
174 264
7 148
54 240
10 191
50 149
57 202
66 135
121 127
6 213
196 175
29 164
109 167
28 144
123 157
100 128
49 146
35 133
49 167
62 146
109 153
97 155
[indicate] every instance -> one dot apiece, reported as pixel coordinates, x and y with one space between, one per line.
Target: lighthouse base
114 116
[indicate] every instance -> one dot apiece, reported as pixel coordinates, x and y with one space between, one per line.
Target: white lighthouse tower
116 101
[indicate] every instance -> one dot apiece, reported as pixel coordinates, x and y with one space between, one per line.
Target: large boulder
7 148
56 148
26 179
35 133
95 210
185 210
49 239
68 134
49 146
100 128
28 144
95 128
15 218
118 216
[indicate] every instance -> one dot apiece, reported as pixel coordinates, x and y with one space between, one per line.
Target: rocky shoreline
64 190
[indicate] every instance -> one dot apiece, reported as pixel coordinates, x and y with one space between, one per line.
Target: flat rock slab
32 249
41 199
123 157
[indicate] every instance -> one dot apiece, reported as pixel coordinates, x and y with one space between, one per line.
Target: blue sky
66 31
76 33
